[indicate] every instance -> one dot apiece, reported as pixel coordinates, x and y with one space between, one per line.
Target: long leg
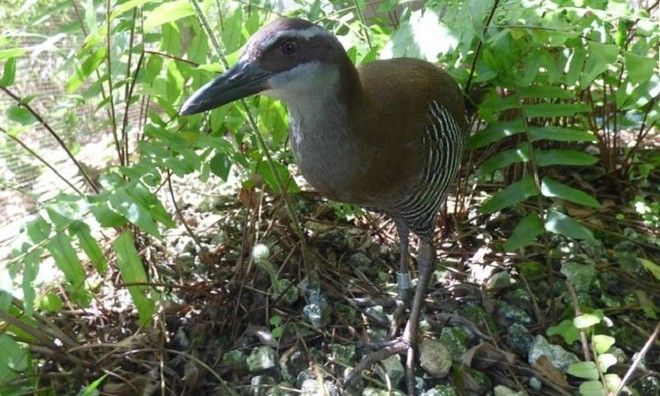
403 278
407 341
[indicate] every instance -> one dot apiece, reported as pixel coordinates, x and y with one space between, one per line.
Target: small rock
434 357
535 384
260 384
185 259
343 354
440 390
519 338
313 387
498 281
369 391
317 312
393 369
509 314
359 260
456 339
557 355
261 358
501 390
292 363
376 312
647 386
476 382
234 358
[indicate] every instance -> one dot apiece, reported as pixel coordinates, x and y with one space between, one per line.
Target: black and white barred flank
444 141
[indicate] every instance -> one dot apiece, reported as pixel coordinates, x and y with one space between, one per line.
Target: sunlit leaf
562 224
9 73
511 195
586 370
553 189
591 388
561 134
167 12
495 132
602 343
564 157
566 329
525 232
522 153
586 320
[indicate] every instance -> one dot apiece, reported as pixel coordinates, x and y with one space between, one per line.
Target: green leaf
134 212
652 267
586 320
602 343
555 109
11 53
511 195
592 388
639 68
88 66
127 6
582 275
38 230
612 381
9 74
553 189
525 232
92 389
290 185
221 165
167 12
132 271
505 158
566 329
586 370
562 224
67 261
495 132
89 245
20 115
601 57
564 157
606 361
560 134
31 263
14 358
107 217
545 91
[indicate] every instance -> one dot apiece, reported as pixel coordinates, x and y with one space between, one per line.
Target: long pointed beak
242 80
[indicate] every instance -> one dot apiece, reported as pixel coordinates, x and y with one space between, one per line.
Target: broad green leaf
20 115
586 370
602 343
86 68
167 12
290 185
545 91
68 262
106 216
232 32
566 329
220 165
562 224
651 267
38 230
575 65
132 271
51 302
586 320
553 189
639 68
605 361
511 195
11 53
14 358
525 232
560 134
89 245
581 275
150 203
601 57
505 158
9 73
555 109
591 388
31 263
134 212
564 157
495 132
127 6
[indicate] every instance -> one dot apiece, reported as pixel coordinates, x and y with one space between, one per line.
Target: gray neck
321 136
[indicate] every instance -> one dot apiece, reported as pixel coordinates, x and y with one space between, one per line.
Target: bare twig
638 358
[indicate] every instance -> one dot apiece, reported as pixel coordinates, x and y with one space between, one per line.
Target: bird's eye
289 47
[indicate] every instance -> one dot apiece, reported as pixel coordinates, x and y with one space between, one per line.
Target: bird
386 135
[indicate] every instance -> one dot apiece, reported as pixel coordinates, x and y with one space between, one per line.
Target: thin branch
55 135
113 116
638 358
42 160
477 52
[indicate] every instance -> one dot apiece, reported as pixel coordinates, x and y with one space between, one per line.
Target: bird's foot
384 350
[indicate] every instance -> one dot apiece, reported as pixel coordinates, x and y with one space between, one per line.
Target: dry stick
312 273
43 161
578 312
638 359
363 22
55 135
130 84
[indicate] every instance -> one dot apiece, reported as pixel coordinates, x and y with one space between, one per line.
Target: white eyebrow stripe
305 34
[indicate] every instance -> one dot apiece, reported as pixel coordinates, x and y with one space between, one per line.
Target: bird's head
288 59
